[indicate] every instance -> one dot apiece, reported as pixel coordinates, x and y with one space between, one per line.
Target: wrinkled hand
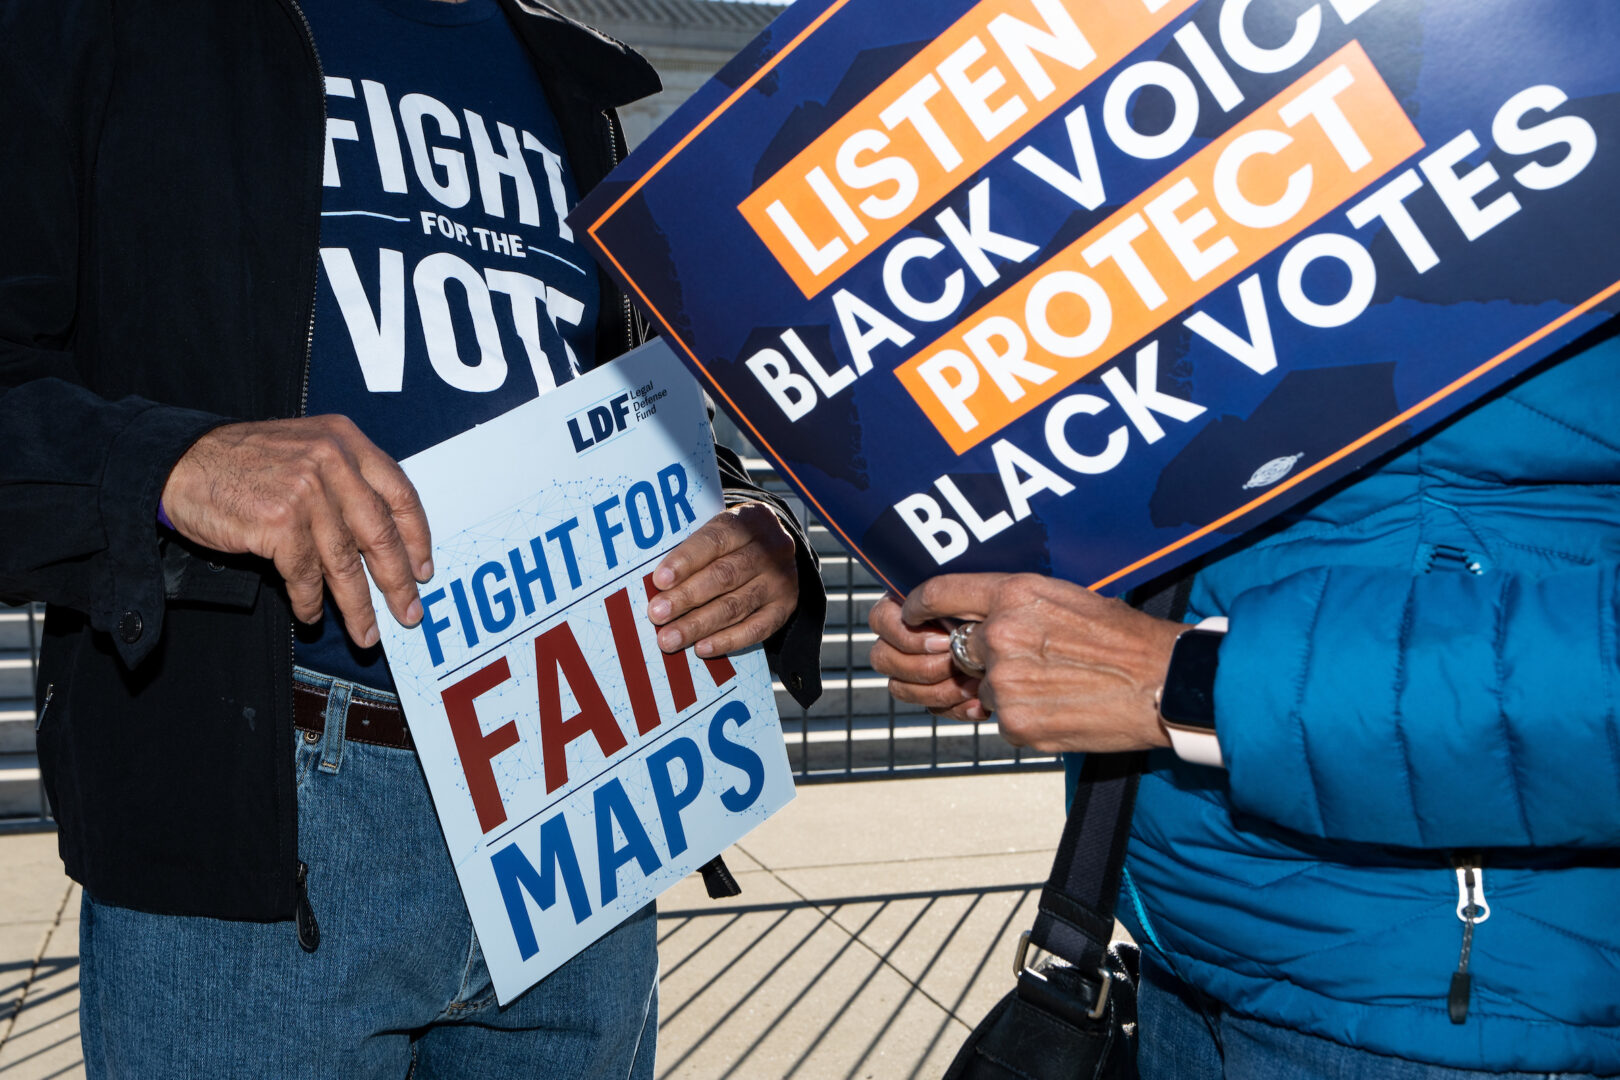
1065 669
731 584
315 497
918 662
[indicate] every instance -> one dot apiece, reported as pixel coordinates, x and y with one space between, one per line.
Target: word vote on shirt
451 289
451 285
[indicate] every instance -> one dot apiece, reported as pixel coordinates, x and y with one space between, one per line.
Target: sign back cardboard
1090 288
576 769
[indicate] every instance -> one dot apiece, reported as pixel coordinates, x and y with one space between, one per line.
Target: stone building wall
686 40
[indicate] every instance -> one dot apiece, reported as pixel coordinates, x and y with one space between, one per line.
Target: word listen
980 86
917 140
926 281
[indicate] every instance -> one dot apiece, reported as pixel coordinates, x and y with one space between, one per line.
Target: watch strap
1198 745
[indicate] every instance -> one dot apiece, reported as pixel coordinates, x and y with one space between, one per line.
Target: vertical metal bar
804 741
804 712
977 724
33 644
33 668
890 698
849 665
933 741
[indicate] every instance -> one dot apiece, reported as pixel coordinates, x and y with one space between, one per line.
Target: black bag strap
1076 917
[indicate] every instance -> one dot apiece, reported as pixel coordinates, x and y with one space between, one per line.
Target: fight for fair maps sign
576 769
1087 287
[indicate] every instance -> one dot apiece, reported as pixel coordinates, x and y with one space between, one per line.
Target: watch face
1189 687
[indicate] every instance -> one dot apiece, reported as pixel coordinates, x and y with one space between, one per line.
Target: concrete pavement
39 961
877 924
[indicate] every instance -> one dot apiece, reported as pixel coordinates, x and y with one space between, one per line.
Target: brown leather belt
368 721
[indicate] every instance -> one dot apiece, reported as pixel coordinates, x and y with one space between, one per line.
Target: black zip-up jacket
160 170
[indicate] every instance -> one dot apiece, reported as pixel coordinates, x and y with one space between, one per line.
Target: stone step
14 629
916 744
824 541
907 725
20 793
16 727
850 609
864 694
839 650
843 572
16 676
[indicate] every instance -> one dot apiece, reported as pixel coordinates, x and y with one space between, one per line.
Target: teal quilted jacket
1422 671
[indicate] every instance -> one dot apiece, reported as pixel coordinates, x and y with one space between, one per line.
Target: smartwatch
1186 701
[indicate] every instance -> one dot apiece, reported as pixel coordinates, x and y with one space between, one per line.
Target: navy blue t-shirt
450 288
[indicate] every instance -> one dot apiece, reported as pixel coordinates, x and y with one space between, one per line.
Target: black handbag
1072 1013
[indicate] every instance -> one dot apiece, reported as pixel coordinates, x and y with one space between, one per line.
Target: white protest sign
576 769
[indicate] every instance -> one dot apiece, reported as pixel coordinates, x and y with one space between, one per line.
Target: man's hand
1065 669
731 584
313 496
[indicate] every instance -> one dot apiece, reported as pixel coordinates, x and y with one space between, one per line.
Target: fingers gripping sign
1064 669
321 502
728 586
917 661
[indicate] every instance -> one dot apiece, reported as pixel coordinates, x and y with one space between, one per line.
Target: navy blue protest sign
1089 288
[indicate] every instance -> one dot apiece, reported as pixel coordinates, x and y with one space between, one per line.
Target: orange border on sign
686 141
1294 481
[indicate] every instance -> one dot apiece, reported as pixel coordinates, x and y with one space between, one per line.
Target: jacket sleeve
794 651
80 476
1441 710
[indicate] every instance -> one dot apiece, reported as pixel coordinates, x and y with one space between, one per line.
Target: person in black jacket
186 273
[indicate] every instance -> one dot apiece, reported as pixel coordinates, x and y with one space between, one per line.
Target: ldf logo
605 420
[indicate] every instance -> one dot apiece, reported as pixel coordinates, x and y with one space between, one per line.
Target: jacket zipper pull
309 931
1472 909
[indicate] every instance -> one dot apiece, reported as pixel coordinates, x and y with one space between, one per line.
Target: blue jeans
1187 1036
398 986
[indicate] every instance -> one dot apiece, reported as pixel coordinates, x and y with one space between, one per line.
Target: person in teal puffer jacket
1417 711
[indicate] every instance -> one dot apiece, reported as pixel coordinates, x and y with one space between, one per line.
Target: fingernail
976 712
413 614
663 577
937 643
705 648
669 640
372 636
425 571
658 609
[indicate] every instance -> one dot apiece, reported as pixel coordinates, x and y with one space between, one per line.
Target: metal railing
23 804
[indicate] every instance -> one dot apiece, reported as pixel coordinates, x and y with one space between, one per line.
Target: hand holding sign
1065 669
314 496
579 769
731 584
